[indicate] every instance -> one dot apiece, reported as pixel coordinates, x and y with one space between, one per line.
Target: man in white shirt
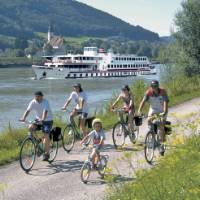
44 118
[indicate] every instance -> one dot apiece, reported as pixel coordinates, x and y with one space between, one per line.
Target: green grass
175 177
75 40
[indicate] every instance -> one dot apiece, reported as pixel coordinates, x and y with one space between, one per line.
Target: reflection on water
17 87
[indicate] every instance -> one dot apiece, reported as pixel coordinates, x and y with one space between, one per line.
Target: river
17 87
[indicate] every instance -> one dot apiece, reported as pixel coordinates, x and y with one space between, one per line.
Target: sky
154 15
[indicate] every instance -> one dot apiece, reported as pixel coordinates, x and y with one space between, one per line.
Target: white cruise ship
93 63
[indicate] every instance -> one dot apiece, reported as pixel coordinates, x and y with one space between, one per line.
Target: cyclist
97 136
44 119
158 100
129 107
81 108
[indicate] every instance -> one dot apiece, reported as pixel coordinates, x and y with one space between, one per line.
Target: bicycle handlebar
30 122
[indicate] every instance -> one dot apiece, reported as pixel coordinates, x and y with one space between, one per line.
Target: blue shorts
45 127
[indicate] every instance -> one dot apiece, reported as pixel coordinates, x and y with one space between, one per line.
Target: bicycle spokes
27 154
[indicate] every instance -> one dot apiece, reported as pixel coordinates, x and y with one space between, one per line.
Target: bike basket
138 120
56 132
168 128
88 122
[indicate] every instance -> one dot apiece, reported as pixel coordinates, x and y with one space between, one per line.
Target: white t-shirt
77 98
39 108
97 136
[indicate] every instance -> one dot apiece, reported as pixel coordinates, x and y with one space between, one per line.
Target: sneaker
45 157
84 146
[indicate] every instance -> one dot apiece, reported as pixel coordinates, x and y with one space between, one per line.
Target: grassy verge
180 90
176 177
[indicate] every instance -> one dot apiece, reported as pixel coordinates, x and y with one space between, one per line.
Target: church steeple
49 34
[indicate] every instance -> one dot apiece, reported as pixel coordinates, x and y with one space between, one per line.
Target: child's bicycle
33 147
71 132
87 167
120 129
152 139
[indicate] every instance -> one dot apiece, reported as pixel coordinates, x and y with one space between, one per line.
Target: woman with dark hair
129 107
81 108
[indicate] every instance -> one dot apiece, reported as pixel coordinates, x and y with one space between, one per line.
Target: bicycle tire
85 167
102 167
53 150
68 138
29 146
118 130
149 146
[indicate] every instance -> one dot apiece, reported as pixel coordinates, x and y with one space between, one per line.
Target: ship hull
42 72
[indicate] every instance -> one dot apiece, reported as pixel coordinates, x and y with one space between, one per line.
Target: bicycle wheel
85 172
68 138
149 147
53 149
118 135
102 166
27 154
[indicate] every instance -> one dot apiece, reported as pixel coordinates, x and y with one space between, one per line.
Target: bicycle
70 132
32 146
152 139
87 167
120 129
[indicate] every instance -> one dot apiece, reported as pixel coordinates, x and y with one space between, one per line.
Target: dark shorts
82 115
45 127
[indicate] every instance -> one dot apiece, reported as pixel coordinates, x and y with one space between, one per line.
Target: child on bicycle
97 136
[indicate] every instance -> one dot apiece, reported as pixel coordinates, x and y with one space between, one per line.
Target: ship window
119 58
116 58
91 74
74 75
86 75
108 66
80 75
111 66
115 66
120 66
68 75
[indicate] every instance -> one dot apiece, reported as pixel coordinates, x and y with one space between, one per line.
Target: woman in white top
129 107
81 108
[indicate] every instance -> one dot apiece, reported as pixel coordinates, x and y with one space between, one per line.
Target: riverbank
15 62
12 138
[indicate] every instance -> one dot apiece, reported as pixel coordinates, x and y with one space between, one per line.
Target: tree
187 21
20 43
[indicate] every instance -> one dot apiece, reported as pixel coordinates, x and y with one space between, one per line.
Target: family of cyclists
156 96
